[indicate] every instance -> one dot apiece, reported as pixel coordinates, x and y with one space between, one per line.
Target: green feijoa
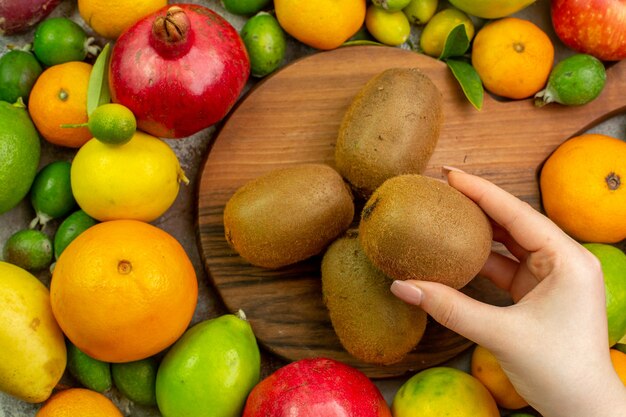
69 229
245 7
574 81
90 372
266 43
51 192
419 12
392 5
60 40
137 380
390 28
29 249
18 72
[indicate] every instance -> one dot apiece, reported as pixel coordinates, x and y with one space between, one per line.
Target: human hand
553 341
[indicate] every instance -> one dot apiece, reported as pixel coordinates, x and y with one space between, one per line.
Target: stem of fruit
90 48
172 34
613 181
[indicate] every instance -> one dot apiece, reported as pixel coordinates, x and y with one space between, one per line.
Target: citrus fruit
436 31
265 42
59 40
72 226
51 192
392 5
486 368
112 123
59 97
419 12
513 57
245 7
28 249
574 81
613 262
109 18
76 402
123 290
137 380
582 188
138 180
18 72
322 24
390 28
619 363
443 391
20 151
90 372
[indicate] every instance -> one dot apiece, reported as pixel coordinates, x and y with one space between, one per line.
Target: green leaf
98 92
457 43
470 82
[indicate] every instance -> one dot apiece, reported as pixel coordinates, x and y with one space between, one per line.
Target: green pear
32 347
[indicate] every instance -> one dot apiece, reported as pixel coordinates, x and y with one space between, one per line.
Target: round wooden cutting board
293 117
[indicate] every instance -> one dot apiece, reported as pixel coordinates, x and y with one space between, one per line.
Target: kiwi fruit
416 227
372 324
288 214
390 128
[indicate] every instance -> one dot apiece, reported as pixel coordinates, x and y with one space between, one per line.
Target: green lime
51 192
620 346
29 249
112 123
137 380
436 31
390 28
90 372
265 42
60 40
244 7
420 12
19 152
18 72
392 5
574 81
75 224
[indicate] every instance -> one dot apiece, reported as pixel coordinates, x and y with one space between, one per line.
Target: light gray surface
180 219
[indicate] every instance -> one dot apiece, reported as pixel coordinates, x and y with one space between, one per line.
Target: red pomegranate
179 70
316 388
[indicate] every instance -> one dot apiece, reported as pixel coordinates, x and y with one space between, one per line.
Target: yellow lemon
109 18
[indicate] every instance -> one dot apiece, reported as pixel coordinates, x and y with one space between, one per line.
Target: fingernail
408 293
446 169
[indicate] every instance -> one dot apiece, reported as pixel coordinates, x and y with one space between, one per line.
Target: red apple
596 27
316 388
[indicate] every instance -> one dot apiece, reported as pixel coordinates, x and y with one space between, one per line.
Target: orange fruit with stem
123 290
76 402
513 57
59 97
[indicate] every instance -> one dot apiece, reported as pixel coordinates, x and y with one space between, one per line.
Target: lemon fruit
28 249
109 18
137 380
20 151
138 180
436 31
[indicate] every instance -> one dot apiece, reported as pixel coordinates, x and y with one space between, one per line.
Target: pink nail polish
408 293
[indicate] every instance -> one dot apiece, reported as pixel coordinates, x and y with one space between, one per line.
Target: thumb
470 318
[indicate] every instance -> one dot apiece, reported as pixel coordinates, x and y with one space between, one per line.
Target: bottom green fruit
211 368
137 380
90 372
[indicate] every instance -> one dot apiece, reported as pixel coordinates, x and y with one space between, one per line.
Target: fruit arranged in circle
91 373
137 180
390 28
137 380
583 190
265 42
51 192
112 123
123 290
109 18
29 249
322 24
78 402
59 40
486 368
245 7
441 391
419 12
513 57
18 72
392 5
72 226
436 31
59 97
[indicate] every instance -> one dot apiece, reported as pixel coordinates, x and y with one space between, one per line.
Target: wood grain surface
293 117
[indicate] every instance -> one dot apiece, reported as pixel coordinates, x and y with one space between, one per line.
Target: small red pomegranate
179 70
316 388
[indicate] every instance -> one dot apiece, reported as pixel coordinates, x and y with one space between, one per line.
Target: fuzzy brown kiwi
288 215
372 324
416 227
390 128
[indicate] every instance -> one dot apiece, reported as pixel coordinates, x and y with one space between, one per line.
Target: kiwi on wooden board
390 128
288 214
372 324
416 227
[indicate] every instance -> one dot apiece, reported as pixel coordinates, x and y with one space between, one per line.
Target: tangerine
618 359
582 191
513 57
123 290
81 402
59 97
